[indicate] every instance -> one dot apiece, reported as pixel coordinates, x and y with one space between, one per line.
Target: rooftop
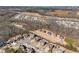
50 36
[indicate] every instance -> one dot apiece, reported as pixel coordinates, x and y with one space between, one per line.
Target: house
50 36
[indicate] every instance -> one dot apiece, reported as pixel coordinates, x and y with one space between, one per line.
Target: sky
39 2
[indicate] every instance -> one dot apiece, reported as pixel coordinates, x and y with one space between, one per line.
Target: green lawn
70 44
